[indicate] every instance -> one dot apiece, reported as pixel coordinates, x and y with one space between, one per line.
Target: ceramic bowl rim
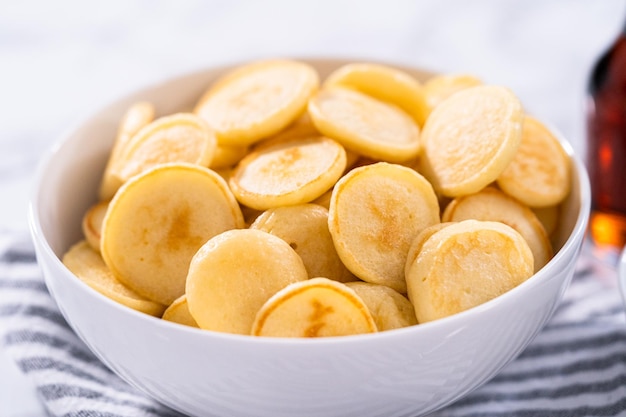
456 320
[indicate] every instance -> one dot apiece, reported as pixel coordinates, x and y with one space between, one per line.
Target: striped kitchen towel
575 367
70 380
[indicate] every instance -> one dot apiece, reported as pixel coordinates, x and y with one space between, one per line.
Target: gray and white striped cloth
575 367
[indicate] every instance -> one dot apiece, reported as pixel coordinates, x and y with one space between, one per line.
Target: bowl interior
70 176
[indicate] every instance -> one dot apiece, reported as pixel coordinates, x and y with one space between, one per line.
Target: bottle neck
610 66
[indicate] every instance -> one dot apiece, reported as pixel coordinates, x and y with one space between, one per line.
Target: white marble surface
61 60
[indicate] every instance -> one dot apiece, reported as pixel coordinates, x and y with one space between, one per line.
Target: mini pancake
178 312
234 274
318 307
227 156
302 128
135 118
292 172
365 125
422 237
494 205
383 83
257 100
89 267
324 199
464 265
389 308
440 87
305 228
181 137
470 138
158 220
92 224
540 173
375 213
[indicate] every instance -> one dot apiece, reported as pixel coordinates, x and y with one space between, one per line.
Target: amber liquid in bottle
606 149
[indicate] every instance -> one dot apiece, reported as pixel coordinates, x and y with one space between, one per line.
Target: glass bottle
606 150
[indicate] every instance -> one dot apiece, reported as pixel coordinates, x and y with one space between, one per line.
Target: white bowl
410 371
